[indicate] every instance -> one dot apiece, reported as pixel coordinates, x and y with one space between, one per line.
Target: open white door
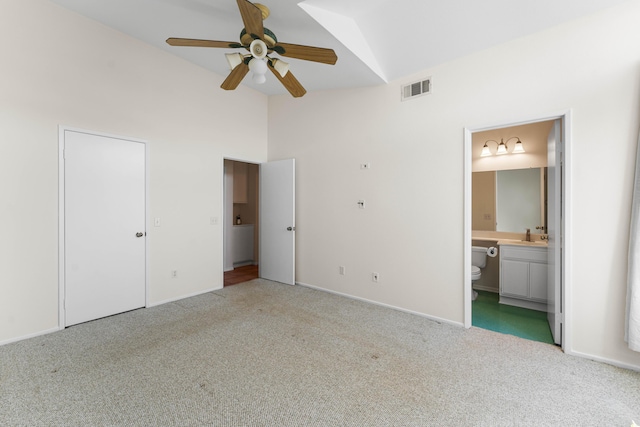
277 221
554 230
104 226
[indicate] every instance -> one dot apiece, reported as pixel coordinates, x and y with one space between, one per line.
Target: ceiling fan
261 42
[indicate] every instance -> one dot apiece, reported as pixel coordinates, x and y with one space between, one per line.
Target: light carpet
267 354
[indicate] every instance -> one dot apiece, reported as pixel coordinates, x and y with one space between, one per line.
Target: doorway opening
514 207
241 221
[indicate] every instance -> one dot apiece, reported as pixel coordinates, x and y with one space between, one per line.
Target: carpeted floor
267 354
488 313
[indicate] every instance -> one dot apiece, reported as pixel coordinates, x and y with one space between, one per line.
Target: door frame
566 207
61 213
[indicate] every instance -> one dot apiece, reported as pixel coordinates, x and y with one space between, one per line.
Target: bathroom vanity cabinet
523 276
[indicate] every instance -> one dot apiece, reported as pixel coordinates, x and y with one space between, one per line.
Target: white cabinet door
538 281
514 280
243 243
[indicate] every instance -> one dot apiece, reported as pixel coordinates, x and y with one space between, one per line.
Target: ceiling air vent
416 89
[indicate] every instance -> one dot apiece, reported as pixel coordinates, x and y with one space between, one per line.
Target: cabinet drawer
525 253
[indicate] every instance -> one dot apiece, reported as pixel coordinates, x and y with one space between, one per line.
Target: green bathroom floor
488 313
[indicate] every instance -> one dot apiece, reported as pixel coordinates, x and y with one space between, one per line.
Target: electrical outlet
213 220
375 277
342 270
174 273
156 222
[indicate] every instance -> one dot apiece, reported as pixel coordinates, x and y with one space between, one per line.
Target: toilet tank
479 256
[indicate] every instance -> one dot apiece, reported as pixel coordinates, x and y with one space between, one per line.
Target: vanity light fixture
502 147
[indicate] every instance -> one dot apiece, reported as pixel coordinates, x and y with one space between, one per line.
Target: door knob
291 229
139 234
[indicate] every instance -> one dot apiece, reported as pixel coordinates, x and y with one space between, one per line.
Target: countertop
513 242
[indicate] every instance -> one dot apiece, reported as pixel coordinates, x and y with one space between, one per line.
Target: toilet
478 261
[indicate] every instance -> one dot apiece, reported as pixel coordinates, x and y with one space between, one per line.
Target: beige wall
412 229
483 201
59 68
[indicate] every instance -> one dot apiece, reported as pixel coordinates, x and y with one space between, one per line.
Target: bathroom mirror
509 200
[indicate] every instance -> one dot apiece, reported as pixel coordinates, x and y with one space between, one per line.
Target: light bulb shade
258 49
502 148
485 151
259 78
518 148
234 59
281 67
258 66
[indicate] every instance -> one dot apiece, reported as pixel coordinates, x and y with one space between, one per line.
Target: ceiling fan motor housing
269 38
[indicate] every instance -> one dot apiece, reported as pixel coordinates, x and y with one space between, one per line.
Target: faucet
528 237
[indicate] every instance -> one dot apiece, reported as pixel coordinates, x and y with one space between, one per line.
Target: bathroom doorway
489 223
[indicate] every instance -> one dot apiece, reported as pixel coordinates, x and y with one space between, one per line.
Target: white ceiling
375 40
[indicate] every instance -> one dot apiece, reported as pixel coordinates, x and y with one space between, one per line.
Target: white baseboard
155 304
486 288
24 337
426 316
604 360
531 305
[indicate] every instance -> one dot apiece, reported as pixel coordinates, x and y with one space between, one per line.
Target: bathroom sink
534 242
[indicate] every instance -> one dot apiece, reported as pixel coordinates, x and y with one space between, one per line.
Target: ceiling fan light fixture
260 41
258 49
259 78
280 66
259 68
234 59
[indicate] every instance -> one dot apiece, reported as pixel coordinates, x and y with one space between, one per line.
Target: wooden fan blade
235 77
174 41
308 53
252 18
290 82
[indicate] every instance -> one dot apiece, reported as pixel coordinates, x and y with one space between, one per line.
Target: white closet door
104 211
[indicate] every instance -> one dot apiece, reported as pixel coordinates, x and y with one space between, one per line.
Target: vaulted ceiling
376 40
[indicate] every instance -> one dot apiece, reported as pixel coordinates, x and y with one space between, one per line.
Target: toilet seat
475 272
